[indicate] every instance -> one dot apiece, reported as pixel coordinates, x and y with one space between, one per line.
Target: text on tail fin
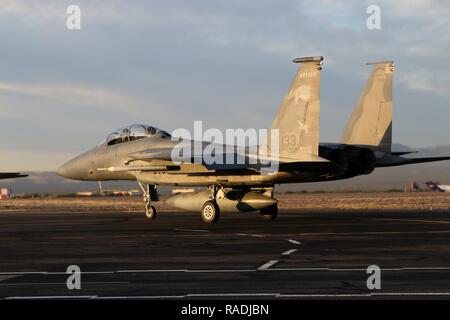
297 120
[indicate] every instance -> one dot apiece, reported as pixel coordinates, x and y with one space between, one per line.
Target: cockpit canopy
133 132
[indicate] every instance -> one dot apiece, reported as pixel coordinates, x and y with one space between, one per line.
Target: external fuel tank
228 201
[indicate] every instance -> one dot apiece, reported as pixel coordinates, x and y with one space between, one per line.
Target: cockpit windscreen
131 133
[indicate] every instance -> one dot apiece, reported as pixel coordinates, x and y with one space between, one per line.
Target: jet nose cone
79 168
65 170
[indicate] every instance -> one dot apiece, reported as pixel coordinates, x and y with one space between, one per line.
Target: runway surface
301 255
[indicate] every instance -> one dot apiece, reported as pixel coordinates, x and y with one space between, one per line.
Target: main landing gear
210 209
149 193
210 212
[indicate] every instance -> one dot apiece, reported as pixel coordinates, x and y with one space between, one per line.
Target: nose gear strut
149 194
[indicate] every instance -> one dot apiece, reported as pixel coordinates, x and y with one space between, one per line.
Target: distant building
5 194
84 194
411 187
118 193
182 190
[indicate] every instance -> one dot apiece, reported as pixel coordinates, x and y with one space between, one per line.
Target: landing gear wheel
210 212
150 212
269 213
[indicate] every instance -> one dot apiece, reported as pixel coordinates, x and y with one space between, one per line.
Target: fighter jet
436 186
146 154
11 175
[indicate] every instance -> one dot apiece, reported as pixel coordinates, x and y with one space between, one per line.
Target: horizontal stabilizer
399 161
11 175
422 160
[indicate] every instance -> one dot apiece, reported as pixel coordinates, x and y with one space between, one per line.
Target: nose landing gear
150 211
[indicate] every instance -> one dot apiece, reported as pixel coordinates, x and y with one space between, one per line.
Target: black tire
270 213
150 212
210 212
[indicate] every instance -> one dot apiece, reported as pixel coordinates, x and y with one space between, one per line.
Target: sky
226 62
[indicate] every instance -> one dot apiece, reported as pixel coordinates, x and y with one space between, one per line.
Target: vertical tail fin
298 119
371 121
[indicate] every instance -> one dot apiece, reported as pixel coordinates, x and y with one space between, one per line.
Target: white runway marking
363 295
289 252
275 295
58 283
364 269
294 241
49 297
186 270
320 295
221 271
138 297
231 294
250 235
23 272
151 270
271 262
425 268
267 265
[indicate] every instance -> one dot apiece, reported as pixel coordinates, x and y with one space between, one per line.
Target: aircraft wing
241 163
223 169
165 155
10 175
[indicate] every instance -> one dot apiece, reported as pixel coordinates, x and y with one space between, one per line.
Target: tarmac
302 255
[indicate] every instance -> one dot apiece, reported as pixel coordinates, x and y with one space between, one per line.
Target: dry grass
368 201
322 201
